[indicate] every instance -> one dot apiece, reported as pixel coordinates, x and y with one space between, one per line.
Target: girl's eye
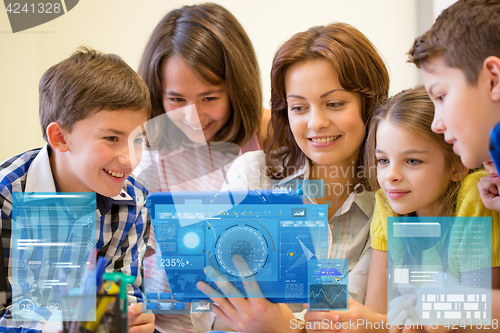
382 161
176 99
297 108
111 138
413 161
209 99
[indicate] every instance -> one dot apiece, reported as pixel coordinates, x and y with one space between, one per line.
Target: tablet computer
275 234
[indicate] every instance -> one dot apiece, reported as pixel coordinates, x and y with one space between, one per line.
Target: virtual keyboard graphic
274 235
452 283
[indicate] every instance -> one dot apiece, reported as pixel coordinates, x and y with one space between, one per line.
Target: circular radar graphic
243 240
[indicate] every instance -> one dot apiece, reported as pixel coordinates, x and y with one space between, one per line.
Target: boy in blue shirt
92 106
460 61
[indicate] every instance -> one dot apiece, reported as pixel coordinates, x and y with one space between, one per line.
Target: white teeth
323 140
199 128
115 174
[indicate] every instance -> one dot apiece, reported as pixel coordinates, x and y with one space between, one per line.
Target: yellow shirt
468 204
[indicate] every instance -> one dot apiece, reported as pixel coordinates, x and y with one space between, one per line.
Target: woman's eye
413 161
297 108
111 138
335 105
209 99
382 161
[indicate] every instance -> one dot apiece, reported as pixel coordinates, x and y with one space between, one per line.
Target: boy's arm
140 322
6 231
143 222
122 234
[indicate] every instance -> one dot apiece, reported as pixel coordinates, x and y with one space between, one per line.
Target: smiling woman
325 119
325 82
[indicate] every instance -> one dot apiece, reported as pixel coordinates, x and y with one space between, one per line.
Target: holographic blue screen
328 284
53 251
445 262
275 234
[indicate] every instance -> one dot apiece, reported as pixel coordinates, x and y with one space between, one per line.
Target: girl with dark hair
204 80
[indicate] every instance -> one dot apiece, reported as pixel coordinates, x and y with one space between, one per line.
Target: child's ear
459 171
492 67
56 135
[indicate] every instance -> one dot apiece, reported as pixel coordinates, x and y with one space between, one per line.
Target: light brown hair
412 110
464 35
210 39
359 67
87 82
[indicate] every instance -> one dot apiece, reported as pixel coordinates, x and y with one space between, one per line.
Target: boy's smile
464 113
101 152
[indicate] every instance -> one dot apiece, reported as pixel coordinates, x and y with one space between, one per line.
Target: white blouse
349 228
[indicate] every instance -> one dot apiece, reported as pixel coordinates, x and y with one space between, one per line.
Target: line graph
324 297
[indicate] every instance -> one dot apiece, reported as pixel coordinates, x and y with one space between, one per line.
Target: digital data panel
445 262
266 237
53 252
328 284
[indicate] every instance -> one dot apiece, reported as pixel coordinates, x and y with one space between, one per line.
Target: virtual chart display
274 235
328 284
53 251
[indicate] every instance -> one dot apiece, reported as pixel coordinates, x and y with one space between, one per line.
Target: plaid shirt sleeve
12 179
123 232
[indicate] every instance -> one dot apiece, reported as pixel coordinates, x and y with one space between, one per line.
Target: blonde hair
413 110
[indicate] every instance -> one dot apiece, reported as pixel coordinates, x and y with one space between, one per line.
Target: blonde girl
416 174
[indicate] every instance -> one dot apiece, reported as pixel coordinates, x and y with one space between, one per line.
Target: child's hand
488 190
353 320
401 312
139 322
252 314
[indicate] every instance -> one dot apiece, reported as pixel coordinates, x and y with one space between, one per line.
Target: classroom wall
123 26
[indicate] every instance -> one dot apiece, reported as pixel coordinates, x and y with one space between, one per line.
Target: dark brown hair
210 39
360 69
412 110
464 35
89 81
